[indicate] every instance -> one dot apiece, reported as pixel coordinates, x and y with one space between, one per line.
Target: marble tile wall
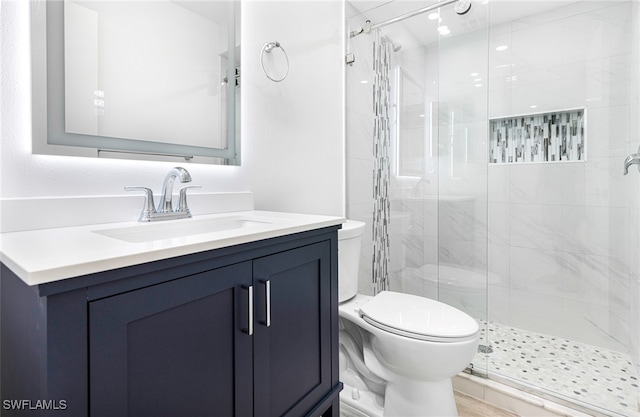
559 236
359 143
425 229
406 244
558 243
462 163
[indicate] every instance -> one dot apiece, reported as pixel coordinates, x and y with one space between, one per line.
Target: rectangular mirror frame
48 135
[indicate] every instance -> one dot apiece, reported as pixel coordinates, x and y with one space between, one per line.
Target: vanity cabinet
239 331
173 349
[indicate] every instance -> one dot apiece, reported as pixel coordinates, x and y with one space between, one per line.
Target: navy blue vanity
243 330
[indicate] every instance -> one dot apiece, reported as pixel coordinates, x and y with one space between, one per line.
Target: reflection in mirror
139 79
411 138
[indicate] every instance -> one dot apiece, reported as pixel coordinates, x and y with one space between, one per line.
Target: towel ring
268 47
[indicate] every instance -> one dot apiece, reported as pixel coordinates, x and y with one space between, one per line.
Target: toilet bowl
398 351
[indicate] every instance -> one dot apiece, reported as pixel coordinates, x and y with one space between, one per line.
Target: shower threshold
588 377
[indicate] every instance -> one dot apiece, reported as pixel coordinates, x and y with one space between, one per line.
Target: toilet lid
419 318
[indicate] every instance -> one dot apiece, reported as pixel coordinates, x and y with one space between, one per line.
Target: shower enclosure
485 151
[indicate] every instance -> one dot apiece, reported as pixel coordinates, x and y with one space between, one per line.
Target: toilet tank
349 241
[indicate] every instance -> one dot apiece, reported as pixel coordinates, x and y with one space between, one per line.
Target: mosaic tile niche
544 137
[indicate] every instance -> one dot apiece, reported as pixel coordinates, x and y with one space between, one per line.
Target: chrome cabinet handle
249 330
267 296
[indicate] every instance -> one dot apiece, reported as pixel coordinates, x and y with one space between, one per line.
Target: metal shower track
369 26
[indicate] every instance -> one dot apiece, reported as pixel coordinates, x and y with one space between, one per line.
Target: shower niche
557 136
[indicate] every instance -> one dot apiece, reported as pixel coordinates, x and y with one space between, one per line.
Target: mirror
151 79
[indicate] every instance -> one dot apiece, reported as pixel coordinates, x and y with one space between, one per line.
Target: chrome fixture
165 210
226 79
633 159
365 29
461 7
167 187
268 48
349 58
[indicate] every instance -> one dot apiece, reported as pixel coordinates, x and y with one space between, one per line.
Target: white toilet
398 352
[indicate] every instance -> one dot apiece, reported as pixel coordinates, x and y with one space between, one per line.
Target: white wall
292 132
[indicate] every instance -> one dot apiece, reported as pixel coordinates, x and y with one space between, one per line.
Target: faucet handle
633 159
148 209
182 203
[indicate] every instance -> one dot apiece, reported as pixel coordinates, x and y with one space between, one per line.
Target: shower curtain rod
368 26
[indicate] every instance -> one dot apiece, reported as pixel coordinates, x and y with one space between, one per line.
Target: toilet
398 352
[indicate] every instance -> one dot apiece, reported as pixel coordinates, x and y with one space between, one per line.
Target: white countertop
48 255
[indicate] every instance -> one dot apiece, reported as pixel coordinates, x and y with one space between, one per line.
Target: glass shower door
437 119
544 253
561 244
459 74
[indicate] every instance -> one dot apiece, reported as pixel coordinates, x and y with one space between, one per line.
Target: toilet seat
418 318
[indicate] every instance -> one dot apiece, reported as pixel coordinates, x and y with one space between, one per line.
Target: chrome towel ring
268 47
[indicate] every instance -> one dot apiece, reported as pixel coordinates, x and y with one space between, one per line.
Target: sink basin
148 232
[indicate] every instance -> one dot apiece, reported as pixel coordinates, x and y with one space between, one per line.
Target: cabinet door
292 354
174 349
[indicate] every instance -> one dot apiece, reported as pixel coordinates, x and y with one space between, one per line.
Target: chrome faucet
633 159
165 210
167 187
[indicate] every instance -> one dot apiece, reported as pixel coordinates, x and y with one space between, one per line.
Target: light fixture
444 30
434 15
474 74
502 48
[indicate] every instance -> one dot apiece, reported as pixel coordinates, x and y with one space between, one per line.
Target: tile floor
578 371
467 407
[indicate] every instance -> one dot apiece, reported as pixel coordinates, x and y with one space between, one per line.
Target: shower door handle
633 159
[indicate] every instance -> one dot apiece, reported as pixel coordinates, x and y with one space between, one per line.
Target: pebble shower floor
597 377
